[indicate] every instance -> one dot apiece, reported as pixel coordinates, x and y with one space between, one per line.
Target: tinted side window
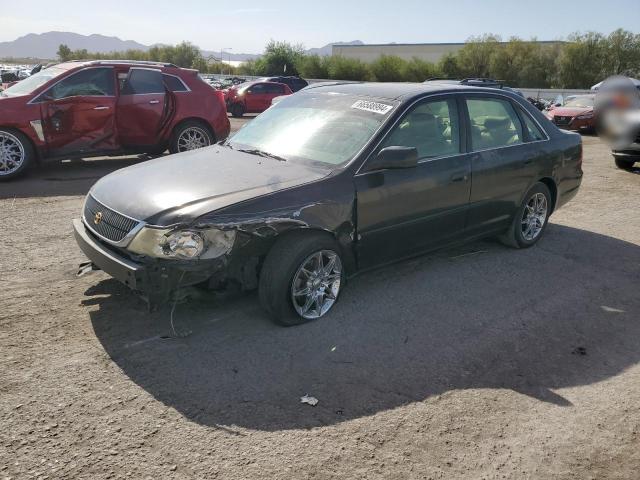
174 84
274 88
258 88
532 129
494 123
143 81
89 82
432 127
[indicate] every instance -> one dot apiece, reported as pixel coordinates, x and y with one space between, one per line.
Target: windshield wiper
261 153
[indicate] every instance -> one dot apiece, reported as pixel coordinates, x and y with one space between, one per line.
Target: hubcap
192 138
11 153
534 216
316 284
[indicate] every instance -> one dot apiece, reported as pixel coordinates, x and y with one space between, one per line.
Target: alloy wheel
534 216
12 153
316 284
192 138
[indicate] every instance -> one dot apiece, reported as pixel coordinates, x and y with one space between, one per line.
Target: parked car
106 108
253 97
576 113
295 83
331 181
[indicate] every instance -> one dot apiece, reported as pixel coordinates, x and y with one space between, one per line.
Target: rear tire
624 163
237 110
16 154
531 219
282 280
190 135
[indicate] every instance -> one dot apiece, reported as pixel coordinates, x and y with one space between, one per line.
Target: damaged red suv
93 108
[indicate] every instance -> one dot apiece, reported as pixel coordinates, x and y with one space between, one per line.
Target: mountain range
45 46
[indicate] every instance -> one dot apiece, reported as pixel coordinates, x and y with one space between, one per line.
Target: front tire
237 110
624 163
301 278
190 135
16 154
531 219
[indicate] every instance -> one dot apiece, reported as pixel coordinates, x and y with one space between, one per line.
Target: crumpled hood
178 188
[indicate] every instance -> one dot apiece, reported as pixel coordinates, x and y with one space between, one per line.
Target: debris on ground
313 401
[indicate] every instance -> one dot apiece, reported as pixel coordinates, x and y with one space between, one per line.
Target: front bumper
575 123
122 269
156 280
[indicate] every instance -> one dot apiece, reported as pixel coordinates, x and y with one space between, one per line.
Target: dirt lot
478 362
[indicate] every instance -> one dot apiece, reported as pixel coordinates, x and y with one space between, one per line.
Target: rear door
78 112
503 162
401 212
141 107
273 90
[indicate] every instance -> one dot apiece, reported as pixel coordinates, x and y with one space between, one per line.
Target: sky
245 26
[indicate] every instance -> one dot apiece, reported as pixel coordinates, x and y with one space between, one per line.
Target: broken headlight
182 244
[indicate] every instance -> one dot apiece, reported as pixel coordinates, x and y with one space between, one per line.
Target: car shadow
563 313
65 177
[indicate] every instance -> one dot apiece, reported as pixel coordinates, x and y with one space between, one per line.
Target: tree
280 58
342 68
448 66
416 70
474 59
623 53
582 61
388 68
64 53
314 66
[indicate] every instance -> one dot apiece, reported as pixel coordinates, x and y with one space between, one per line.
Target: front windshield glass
320 128
582 102
30 84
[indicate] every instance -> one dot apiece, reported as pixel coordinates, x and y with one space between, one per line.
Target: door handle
154 102
459 177
528 161
101 108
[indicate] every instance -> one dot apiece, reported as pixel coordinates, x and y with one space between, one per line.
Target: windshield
583 102
323 129
28 85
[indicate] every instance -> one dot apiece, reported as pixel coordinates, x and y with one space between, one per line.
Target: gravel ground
476 362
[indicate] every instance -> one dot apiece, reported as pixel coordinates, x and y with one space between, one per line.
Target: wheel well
551 185
199 120
34 148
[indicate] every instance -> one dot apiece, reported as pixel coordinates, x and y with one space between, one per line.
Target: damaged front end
157 264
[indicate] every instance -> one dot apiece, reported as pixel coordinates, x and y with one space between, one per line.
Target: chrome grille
112 225
562 120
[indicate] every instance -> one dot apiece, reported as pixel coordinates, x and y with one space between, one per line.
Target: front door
401 212
141 108
256 98
78 112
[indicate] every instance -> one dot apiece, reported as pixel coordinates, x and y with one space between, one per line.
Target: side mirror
394 157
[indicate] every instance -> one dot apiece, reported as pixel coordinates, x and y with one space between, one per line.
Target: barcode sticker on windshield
374 107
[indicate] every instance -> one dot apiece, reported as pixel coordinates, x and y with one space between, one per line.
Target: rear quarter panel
202 102
561 157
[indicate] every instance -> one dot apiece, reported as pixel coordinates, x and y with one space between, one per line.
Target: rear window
274 88
534 131
143 81
174 84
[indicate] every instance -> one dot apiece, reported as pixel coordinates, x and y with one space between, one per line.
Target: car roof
84 63
394 91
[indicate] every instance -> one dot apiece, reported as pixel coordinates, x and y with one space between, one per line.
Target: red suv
106 108
254 97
